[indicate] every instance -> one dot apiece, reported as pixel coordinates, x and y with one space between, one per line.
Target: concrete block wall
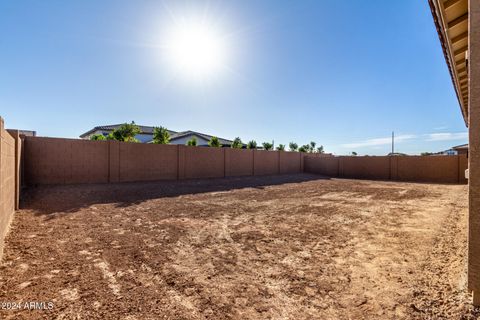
364 167
290 162
424 169
203 162
113 162
238 162
327 166
17 164
146 162
65 161
9 179
439 169
462 165
70 161
265 162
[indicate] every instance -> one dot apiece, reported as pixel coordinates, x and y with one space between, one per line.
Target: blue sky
341 73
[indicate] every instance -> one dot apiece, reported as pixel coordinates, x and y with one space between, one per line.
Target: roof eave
437 19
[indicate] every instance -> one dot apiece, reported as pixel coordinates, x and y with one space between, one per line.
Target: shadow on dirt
47 200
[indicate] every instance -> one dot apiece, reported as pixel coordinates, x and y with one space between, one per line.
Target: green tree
320 149
192 142
214 142
126 132
97 137
354 153
281 147
293 146
252 144
311 147
426 153
267 146
304 148
161 135
237 143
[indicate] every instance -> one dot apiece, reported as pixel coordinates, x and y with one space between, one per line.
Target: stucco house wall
183 140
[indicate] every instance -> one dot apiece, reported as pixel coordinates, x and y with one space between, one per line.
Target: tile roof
111 127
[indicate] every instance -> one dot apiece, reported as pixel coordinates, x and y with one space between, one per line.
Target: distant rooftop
27 133
111 127
149 130
182 134
462 146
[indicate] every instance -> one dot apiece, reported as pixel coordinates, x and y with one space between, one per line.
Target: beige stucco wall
474 151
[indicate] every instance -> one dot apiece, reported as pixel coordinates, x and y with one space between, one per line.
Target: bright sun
195 50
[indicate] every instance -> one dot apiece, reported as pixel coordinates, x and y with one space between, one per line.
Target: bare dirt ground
285 247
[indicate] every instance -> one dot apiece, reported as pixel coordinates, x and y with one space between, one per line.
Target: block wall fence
10 151
70 161
438 169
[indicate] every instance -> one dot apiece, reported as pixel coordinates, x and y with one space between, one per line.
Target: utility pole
393 142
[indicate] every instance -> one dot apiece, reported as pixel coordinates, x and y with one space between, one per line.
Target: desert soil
285 247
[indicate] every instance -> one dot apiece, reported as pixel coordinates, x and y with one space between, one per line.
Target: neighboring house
449 152
453 151
397 154
27 133
146 135
202 138
461 149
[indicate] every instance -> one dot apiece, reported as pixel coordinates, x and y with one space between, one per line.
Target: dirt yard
285 247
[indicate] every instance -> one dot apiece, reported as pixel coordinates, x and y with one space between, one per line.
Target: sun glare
195 50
